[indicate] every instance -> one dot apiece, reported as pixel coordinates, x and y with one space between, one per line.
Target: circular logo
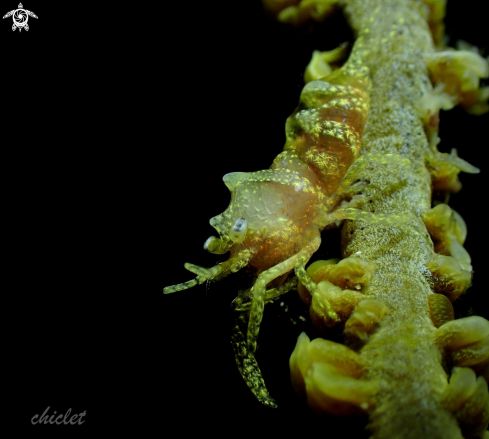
20 17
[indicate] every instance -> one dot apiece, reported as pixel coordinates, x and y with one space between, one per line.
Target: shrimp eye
238 230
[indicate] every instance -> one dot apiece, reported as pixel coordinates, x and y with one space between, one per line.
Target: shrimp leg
258 291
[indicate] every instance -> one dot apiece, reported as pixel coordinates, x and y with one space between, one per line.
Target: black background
118 125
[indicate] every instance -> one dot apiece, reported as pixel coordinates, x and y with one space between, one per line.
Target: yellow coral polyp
328 374
460 389
441 309
441 224
448 230
352 273
342 301
459 333
459 71
474 415
365 318
323 63
330 392
476 355
449 277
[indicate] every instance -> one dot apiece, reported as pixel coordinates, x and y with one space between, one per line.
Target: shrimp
275 217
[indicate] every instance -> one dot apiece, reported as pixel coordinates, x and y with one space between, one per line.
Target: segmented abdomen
325 130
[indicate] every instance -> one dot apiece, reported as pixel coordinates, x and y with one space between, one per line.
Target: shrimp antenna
204 274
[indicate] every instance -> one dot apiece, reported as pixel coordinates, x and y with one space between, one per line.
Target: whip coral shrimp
274 221
275 217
